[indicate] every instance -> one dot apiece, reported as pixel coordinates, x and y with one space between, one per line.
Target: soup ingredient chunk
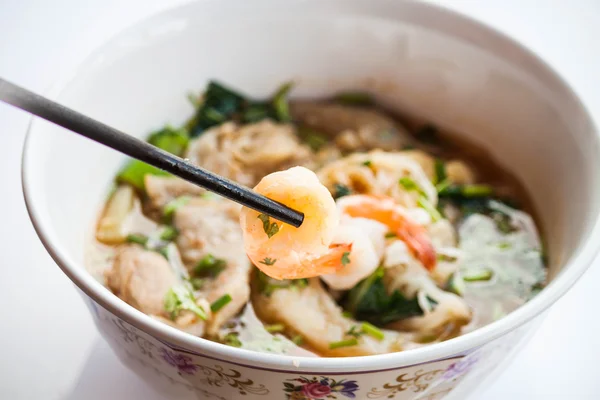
283 251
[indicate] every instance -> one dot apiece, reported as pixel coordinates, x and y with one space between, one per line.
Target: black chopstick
136 148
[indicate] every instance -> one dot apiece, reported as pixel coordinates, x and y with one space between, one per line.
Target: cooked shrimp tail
284 252
386 211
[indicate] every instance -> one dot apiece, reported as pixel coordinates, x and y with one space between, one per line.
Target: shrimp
368 246
387 211
283 251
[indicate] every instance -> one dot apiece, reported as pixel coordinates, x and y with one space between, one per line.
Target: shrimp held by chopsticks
285 252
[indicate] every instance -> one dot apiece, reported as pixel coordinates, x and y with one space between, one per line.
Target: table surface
42 359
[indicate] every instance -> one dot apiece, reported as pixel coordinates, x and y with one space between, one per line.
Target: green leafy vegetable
180 298
340 190
354 99
313 138
137 238
220 105
220 303
134 172
168 233
343 343
467 191
346 258
440 171
370 301
171 207
280 102
175 141
256 112
209 267
270 228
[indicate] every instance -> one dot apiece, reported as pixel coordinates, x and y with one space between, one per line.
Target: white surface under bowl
414 57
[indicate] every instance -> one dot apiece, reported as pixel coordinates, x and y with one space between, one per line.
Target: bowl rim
575 266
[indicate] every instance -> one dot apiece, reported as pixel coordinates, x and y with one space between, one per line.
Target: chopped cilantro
168 233
270 228
367 163
346 258
232 339
180 298
171 207
209 266
268 261
340 190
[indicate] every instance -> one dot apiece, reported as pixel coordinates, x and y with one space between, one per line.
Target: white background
49 348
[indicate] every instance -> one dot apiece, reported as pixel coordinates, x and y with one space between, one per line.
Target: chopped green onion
367 163
354 331
504 245
354 98
347 314
390 235
168 233
426 205
372 331
478 275
275 328
280 102
343 343
298 340
209 266
171 207
220 303
340 191
137 238
440 171
270 228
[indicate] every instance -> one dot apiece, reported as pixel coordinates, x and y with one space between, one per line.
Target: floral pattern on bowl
317 388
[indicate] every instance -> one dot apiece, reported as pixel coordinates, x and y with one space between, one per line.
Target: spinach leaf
175 141
220 104
370 301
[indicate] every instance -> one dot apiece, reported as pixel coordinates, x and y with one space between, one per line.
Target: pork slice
212 227
312 313
163 189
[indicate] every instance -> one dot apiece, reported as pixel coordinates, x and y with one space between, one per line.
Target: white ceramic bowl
414 56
